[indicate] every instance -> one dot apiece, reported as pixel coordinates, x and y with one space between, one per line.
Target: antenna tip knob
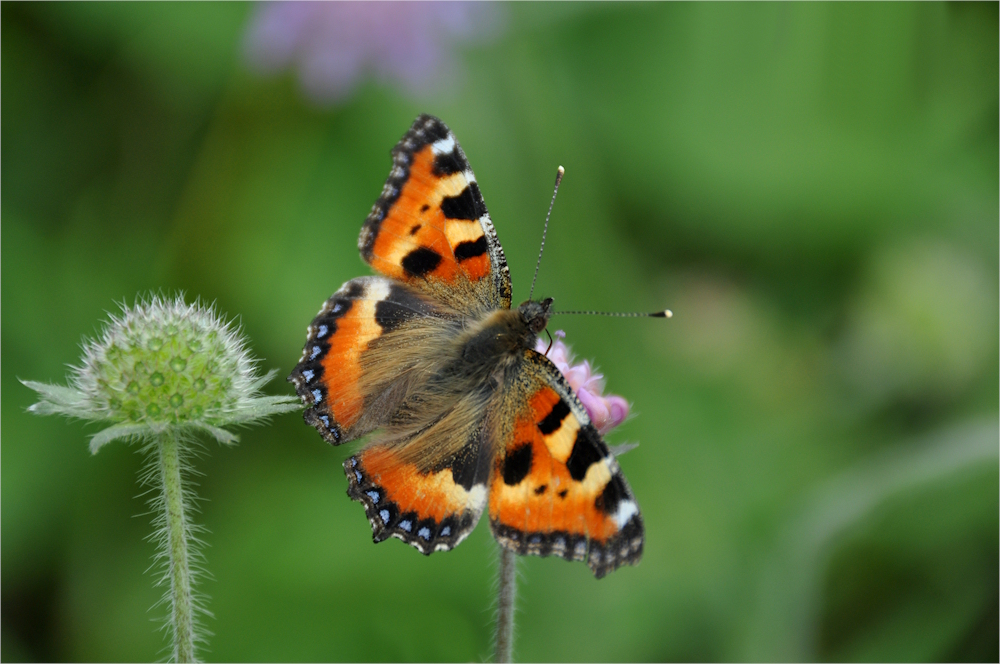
667 313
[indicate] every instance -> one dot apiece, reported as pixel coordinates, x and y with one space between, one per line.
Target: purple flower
334 45
606 412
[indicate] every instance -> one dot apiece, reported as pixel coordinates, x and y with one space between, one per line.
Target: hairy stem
506 592
177 545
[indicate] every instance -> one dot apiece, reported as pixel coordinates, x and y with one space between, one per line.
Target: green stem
177 531
506 591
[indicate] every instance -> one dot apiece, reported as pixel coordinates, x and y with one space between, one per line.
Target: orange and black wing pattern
556 488
333 378
431 509
430 228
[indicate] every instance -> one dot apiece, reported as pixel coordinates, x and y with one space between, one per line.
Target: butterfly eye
542 318
535 314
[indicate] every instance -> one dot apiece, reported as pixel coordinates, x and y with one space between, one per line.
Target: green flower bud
162 368
163 363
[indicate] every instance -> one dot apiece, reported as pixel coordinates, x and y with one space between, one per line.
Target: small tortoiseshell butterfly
468 414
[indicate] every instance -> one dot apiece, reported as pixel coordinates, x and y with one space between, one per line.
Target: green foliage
811 188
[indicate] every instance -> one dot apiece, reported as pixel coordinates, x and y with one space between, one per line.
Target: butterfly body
465 414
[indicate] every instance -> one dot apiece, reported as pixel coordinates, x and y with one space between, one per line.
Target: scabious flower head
163 363
605 411
334 45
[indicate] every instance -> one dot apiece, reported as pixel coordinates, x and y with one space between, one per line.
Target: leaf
116 432
60 400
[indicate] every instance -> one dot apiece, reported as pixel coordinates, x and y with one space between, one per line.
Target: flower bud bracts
163 363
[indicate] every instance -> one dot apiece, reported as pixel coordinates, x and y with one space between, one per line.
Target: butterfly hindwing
333 377
556 488
430 227
431 506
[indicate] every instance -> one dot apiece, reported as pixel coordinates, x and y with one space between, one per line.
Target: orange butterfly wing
432 509
430 227
556 488
332 377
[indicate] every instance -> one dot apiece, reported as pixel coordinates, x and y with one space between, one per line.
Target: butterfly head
535 314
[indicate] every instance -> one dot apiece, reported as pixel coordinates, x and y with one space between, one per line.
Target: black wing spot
562 494
613 493
416 228
554 419
466 469
539 490
399 306
390 315
468 249
420 261
517 465
449 164
586 452
465 206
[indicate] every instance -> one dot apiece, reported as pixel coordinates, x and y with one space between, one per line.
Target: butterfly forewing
430 227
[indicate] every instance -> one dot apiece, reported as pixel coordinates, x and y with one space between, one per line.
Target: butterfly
466 415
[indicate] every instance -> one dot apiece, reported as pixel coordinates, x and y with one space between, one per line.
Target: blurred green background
812 188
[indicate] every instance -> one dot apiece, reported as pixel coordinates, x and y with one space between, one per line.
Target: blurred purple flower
334 45
606 412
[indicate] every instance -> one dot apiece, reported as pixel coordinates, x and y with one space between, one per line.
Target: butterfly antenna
666 313
559 176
